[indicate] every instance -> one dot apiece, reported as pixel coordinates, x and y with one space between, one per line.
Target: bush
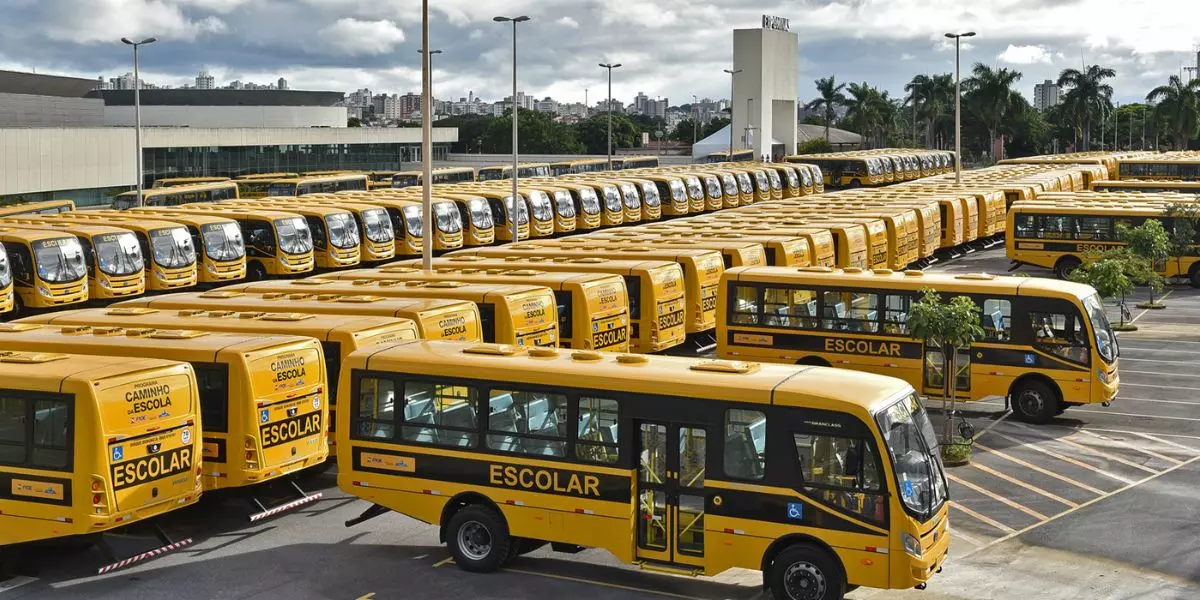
957 452
817 146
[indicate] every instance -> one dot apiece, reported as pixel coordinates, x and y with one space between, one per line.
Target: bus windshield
448 218
125 201
481 213
118 254
412 219
912 445
294 235
223 241
5 269
566 207
632 200
172 247
60 260
650 192
1106 341
403 181
522 211
343 231
714 187
281 189
377 226
542 210
589 201
612 198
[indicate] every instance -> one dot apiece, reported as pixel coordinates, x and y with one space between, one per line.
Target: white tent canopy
718 142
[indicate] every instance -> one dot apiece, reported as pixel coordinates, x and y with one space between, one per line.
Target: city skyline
339 45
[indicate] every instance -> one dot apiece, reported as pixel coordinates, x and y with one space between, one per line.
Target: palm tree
1087 94
990 97
861 110
943 103
1178 106
830 98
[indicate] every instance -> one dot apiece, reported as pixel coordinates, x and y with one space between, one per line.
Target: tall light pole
137 109
515 218
958 103
610 67
732 73
426 141
695 121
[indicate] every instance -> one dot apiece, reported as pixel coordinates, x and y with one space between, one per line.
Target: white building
1045 95
764 91
205 81
224 108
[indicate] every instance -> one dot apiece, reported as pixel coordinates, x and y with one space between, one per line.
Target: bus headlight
911 545
1102 376
284 261
43 290
105 284
210 268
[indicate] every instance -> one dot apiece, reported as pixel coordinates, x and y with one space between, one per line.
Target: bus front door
933 370
671 494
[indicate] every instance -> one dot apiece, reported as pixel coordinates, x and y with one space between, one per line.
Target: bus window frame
30 400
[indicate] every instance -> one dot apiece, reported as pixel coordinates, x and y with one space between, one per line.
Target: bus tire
478 539
1065 266
805 572
1194 275
1034 402
256 272
813 361
854 183
18 310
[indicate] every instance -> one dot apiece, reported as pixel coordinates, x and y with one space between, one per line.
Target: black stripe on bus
774 508
812 342
494 472
6 489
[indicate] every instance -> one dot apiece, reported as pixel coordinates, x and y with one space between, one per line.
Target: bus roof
46 371
32 235
886 279
584 264
749 382
555 280
205 344
478 292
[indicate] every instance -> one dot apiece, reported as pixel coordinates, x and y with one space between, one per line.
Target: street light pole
426 141
137 109
515 218
958 103
695 121
732 73
610 67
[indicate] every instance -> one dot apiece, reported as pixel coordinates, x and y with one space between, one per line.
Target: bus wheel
256 272
1194 275
1065 266
479 539
854 183
18 310
803 572
1034 402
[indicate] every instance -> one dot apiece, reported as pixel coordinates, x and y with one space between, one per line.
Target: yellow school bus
447 218
611 202
167 247
509 218
263 400
585 202
255 185
48 268
78 433
339 335
218 242
734 253
560 202
690 466
524 315
777 250
435 318
825 251
701 271
479 228
278 243
7 295
378 238
407 223
593 309
537 205
178 181
337 241
406 179
505 171
1043 339
672 189
176 195
655 289
322 183
113 257
47 207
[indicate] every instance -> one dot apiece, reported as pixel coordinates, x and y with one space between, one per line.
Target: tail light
250 445
100 503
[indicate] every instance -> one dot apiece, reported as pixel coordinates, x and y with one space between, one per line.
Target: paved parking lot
1101 503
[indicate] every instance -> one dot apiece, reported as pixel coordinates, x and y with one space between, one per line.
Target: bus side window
745 308
997 320
895 313
22 262
527 422
1060 334
830 464
213 382
440 414
745 443
375 411
1024 224
89 254
317 227
598 431
13 430
51 434
258 237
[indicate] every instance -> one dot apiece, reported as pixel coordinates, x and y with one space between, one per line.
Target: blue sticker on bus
264 415
795 511
908 490
118 453
1030 359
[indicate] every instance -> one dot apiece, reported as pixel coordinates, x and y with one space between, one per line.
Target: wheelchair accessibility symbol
795 511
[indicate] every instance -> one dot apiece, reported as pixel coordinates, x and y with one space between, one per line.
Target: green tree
950 328
470 131
354 122
593 133
814 146
934 99
1184 216
1086 95
713 126
829 98
1109 276
1178 108
990 97
684 131
539 134
1150 243
1027 131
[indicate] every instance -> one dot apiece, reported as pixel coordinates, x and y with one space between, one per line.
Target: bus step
149 554
372 511
669 569
566 548
264 512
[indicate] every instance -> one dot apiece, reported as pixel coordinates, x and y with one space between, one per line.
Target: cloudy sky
673 48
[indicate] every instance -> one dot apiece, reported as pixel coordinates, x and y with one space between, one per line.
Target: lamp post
137 109
958 103
732 73
515 219
610 67
695 120
426 141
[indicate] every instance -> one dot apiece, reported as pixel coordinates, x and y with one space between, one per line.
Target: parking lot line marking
1123 399
1127 345
954 533
991 425
997 497
1132 447
988 520
1033 467
1078 508
448 559
1089 449
1160 373
1156 360
1013 480
1162 441
12 583
1161 387
615 586
1065 459
1161 340
1123 414
1146 310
